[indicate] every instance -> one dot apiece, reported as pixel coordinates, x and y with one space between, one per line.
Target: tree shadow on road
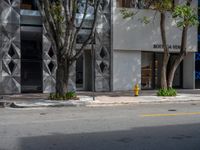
171 137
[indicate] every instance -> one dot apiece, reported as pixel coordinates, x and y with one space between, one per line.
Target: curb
39 105
87 101
84 100
4 104
47 104
132 103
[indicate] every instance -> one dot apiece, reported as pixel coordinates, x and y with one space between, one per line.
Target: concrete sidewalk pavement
101 99
105 100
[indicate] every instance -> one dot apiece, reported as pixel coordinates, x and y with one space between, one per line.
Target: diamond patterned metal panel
10 46
10 31
9 11
50 66
103 47
1 86
72 78
10 85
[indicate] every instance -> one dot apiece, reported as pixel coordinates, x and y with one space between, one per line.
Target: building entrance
31 59
151 70
84 71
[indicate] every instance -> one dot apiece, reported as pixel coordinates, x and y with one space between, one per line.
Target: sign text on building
169 46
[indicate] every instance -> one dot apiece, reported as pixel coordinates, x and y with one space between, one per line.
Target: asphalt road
135 127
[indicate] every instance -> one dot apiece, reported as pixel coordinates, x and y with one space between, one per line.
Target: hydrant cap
137 86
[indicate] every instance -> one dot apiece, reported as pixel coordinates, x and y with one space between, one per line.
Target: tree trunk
173 70
62 77
182 54
165 53
180 57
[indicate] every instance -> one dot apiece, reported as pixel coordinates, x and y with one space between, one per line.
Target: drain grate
172 110
193 104
43 113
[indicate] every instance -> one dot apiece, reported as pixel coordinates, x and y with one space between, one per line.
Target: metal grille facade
103 48
10 46
10 51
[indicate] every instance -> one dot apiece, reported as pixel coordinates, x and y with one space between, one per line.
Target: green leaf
185 16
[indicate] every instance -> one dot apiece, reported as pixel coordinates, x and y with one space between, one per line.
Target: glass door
147 70
79 73
31 59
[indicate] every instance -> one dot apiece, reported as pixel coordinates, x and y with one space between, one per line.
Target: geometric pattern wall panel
103 47
72 78
10 46
1 86
49 66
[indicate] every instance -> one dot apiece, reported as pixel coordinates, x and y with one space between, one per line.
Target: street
128 127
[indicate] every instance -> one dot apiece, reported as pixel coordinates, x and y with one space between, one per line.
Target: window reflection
81 7
29 4
139 4
87 24
147 70
131 3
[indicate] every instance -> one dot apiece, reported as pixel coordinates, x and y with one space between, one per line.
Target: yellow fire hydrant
136 90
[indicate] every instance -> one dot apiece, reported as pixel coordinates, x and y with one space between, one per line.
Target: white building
137 49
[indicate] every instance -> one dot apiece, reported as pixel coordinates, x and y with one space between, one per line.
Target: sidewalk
104 100
101 99
148 96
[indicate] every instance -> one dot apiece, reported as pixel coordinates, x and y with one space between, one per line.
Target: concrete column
189 71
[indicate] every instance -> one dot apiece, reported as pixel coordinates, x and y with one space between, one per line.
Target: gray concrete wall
132 34
126 69
189 71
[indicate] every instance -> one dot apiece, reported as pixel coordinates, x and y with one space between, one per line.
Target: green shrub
67 96
167 92
70 95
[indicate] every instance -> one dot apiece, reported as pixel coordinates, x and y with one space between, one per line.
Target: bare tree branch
78 54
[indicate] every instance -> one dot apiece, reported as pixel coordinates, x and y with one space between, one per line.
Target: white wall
126 69
130 37
131 34
189 71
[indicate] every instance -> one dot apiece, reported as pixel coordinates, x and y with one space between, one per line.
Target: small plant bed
67 96
167 92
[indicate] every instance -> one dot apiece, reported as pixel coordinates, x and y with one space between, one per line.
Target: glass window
139 4
130 3
81 7
147 70
87 24
29 4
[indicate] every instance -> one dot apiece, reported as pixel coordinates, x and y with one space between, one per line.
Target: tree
59 19
163 6
185 17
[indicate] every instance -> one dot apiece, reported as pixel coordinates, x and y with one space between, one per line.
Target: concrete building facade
141 45
125 52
